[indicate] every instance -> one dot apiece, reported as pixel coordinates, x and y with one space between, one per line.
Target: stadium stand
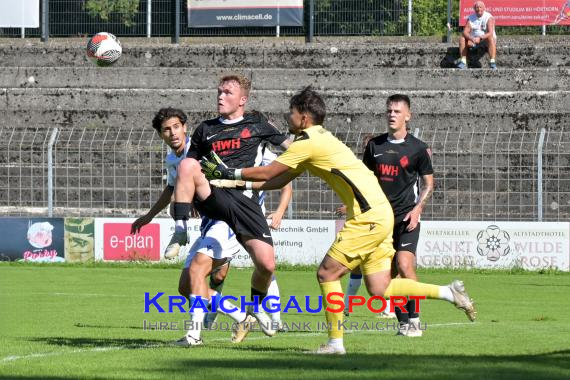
484 126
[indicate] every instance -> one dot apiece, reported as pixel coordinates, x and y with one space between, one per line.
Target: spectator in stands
479 32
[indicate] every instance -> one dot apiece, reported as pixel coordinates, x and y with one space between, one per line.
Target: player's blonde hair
242 80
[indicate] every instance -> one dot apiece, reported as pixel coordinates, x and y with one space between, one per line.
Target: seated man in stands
479 31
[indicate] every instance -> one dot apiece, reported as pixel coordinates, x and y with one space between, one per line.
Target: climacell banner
231 13
521 12
19 13
494 245
32 239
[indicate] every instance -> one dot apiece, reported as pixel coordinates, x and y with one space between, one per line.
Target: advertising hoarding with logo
442 244
79 239
32 239
297 242
521 12
531 246
231 13
114 242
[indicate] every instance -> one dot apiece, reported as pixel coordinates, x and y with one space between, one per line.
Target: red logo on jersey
222 145
245 134
404 161
389 170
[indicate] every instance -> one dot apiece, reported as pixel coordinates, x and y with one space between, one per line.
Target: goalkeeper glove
214 168
231 184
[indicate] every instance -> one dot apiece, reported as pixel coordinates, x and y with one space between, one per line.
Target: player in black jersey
365 241
238 138
399 160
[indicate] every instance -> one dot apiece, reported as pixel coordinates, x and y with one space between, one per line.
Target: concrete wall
46 85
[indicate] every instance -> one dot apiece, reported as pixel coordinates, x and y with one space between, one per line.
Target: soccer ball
104 49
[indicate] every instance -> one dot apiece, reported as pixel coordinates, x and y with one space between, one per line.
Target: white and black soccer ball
104 49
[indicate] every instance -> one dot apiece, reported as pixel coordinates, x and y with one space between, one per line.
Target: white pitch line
83 294
56 353
13 358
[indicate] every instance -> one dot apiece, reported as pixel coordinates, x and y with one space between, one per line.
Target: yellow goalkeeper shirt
325 156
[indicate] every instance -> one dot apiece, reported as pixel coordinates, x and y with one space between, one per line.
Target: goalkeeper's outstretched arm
273 184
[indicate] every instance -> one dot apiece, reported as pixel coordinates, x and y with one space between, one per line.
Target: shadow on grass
261 361
102 342
79 324
37 377
553 365
546 285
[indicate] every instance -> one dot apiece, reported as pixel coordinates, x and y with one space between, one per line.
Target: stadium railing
486 174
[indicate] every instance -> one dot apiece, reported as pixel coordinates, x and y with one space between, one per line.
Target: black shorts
405 240
481 48
242 214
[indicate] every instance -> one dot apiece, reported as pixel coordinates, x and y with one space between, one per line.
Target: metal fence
331 18
500 175
480 174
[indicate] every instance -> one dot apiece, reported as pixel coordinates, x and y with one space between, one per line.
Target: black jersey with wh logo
239 145
398 164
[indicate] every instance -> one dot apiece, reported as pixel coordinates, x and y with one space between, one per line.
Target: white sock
336 342
236 315
354 283
214 296
197 317
445 293
180 226
387 309
273 290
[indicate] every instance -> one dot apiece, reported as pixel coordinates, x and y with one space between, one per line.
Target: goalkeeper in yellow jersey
366 238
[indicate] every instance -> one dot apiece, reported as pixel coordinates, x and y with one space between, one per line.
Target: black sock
182 210
402 317
255 292
411 306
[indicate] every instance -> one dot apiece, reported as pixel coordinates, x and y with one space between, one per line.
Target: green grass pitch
66 321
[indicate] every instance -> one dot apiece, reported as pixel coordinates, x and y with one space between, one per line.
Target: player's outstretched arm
214 168
284 199
264 173
160 204
276 183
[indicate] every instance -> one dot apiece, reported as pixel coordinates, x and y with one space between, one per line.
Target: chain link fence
68 18
496 175
480 174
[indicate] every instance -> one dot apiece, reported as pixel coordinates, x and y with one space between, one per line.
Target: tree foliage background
126 10
382 17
